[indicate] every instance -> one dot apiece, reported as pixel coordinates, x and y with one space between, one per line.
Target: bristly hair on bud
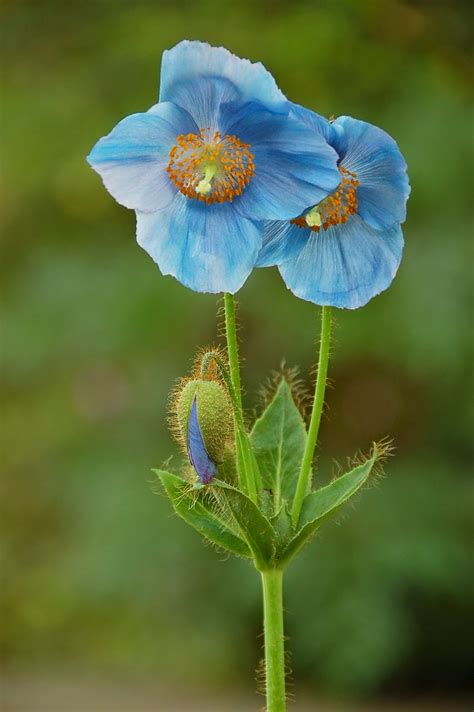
205 364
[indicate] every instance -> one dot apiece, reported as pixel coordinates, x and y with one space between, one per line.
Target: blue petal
294 166
132 158
192 61
203 97
346 265
205 467
380 167
314 121
208 248
282 240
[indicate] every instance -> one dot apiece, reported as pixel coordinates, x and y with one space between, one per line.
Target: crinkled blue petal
205 467
381 169
191 61
282 240
132 158
294 165
315 121
346 265
203 98
208 248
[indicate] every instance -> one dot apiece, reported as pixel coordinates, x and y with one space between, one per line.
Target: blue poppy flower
219 153
347 248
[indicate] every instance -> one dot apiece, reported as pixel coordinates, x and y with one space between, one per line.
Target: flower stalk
304 478
272 586
232 347
248 476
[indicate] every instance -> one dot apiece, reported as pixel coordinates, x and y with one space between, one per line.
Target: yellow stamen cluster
335 209
210 167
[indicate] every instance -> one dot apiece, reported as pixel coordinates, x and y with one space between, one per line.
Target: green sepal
324 502
191 505
254 526
278 440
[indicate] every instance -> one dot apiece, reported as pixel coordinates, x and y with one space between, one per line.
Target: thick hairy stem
272 585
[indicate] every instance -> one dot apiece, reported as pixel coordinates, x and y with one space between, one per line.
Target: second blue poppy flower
347 248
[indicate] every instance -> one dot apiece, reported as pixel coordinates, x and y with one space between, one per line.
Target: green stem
232 347
272 583
304 478
244 455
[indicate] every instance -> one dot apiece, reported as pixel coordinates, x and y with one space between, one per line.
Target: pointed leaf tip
324 502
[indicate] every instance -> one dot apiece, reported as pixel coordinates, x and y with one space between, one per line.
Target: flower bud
203 424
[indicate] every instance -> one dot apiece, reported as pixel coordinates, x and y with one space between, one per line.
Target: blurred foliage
96 571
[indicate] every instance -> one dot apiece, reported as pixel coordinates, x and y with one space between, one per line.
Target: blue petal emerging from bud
205 467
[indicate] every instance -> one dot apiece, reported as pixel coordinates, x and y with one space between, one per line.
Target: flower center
336 208
210 167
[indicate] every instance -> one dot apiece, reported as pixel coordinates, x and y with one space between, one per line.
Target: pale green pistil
205 186
313 218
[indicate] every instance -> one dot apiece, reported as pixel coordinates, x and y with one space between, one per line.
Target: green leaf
278 439
322 503
283 527
193 508
255 527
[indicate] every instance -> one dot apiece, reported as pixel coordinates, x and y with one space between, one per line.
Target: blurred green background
98 579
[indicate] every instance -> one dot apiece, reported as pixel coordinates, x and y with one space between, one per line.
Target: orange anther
193 154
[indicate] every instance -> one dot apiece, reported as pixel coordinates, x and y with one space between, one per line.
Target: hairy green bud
214 415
